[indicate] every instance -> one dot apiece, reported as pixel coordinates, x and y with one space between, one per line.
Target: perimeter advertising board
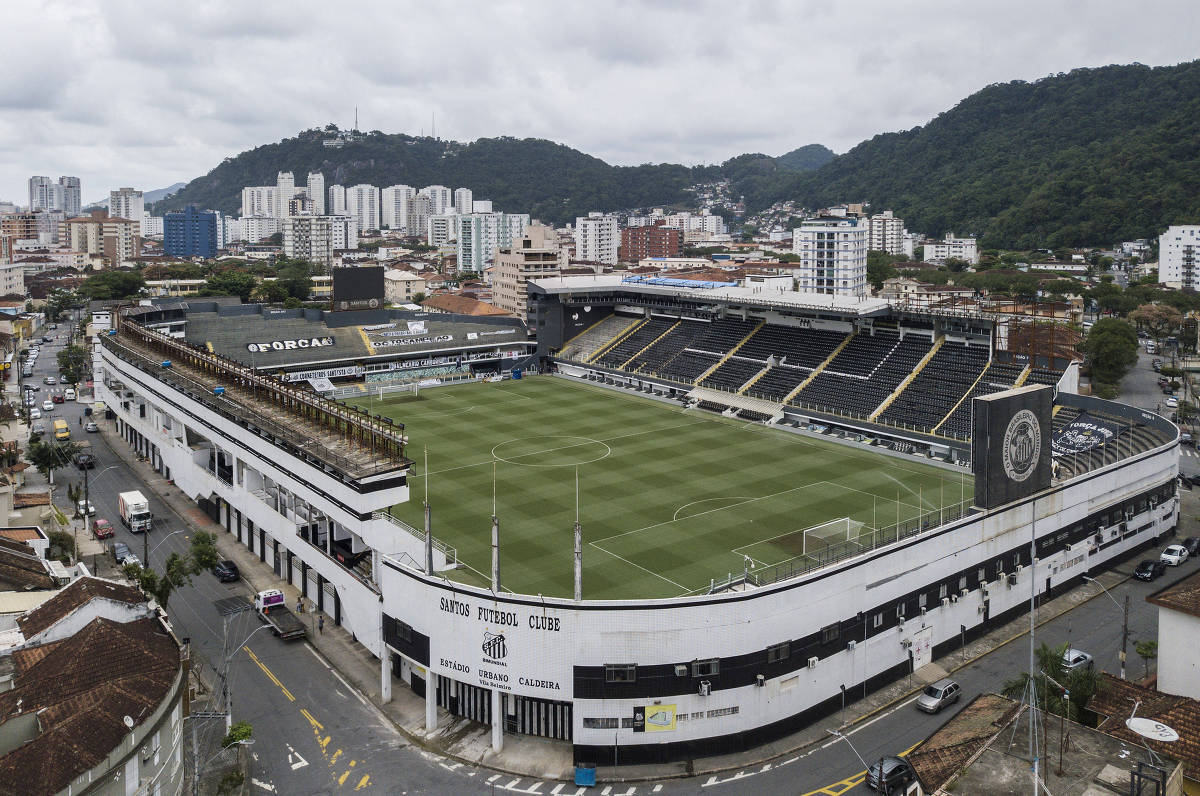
513 647
1010 444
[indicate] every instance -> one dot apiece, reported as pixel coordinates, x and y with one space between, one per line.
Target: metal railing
446 550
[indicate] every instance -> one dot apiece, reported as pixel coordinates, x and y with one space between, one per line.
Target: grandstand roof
606 283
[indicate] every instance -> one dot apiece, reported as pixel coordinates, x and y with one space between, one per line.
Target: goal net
821 536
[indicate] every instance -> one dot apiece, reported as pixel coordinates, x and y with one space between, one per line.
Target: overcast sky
130 93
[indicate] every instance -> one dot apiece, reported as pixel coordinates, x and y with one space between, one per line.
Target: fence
446 550
379 390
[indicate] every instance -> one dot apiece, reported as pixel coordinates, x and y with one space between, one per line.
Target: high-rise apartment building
951 247
479 235
117 240
441 198
190 232
1178 256
285 189
362 204
597 238
336 206
72 196
127 203
442 229
316 191
464 200
638 243
316 238
417 212
886 233
393 212
64 195
258 200
256 228
833 256
533 255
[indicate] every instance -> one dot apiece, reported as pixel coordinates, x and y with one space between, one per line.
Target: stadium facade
304 482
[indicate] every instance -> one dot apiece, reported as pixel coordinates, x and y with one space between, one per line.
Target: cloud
120 95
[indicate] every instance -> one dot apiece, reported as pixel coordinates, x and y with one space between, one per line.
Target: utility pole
1124 635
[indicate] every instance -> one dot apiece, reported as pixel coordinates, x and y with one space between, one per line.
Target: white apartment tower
362 204
64 195
1178 253
337 200
479 235
72 196
886 233
127 203
393 211
258 200
316 191
833 256
316 238
417 212
597 238
442 229
464 200
958 248
285 189
440 196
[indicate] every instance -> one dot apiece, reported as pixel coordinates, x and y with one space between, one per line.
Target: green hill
1092 156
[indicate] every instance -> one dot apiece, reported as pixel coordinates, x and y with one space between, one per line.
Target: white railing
446 550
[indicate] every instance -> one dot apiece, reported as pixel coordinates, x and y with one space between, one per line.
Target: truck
135 511
272 609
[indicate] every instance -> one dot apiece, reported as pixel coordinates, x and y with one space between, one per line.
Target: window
712 714
706 668
877 620
830 633
600 724
982 575
942 591
778 652
962 583
924 598
620 672
900 611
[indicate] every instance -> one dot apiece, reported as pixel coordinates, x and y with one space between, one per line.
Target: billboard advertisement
358 287
1010 444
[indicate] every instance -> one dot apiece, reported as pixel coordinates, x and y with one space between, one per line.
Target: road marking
364 782
270 676
263 785
294 758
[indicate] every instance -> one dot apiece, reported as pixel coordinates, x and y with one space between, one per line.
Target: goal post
830 533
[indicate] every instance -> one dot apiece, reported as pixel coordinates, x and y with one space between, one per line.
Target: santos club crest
1022 445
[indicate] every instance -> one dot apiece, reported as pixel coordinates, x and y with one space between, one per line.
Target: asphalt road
316 735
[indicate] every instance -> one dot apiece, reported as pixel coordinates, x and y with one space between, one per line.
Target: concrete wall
1178 653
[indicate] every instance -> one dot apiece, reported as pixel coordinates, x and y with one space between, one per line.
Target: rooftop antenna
356 118
578 543
433 124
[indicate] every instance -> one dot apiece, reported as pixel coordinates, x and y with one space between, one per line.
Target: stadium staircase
621 335
729 353
787 398
733 404
650 345
581 347
970 392
742 390
908 379
1024 376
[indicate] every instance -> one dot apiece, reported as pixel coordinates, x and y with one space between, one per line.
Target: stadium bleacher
668 347
735 372
998 376
630 345
708 349
865 372
1043 376
1133 439
939 386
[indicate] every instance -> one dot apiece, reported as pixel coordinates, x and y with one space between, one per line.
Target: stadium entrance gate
525 715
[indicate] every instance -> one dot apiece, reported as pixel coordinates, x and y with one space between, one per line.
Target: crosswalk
1189 452
539 788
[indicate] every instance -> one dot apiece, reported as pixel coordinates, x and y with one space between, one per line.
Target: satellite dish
1153 730
129 722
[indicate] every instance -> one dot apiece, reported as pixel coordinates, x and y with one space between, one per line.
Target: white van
1151 348
68 394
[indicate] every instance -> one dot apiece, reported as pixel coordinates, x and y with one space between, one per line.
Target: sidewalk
526 756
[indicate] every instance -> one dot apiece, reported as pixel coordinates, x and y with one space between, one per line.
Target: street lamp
843 737
225 676
1125 622
146 543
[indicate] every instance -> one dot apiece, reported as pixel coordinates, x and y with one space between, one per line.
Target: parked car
1191 544
35 413
226 571
102 528
47 406
1174 555
30 387
63 380
890 773
69 394
50 380
1172 402
85 461
1149 569
37 428
91 426
57 398
938 695
1074 660
122 555
47 339
85 507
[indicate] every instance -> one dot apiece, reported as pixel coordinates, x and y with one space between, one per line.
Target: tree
1051 678
75 363
177 569
49 456
1160 320
231 283
1111 350
63 544
110 285
240 731
1148 651
879 268
296 278
270 292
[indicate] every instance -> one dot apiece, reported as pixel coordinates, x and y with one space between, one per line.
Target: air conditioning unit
1012 579
979 610
705 688
946 601
851 645
953 598
1020 567
963 592
812 663
681 670
922 612
760 680
906 643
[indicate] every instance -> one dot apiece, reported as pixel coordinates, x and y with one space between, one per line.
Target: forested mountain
1089 157
1092 156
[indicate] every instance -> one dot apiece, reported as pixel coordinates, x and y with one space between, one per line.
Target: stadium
713 509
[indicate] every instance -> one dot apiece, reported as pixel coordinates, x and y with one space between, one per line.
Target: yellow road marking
362 783
342 779
840 787
270 675
316 724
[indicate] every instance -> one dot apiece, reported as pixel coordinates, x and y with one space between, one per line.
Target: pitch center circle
560 450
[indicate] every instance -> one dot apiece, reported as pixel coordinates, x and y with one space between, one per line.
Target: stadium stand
667 347
939 386
634 343
722 336
1043 376
1132 440
778 382
735 372
998 376
794 345
584 345
864 373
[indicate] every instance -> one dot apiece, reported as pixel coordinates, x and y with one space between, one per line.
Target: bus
61 430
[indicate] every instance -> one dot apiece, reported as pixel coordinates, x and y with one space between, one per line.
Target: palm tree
1051 677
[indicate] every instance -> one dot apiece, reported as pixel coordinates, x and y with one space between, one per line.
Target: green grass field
668 499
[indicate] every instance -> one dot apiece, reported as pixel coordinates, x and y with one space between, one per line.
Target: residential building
481 206
833 256
1178 250
37 260
255 228
12 278
417 211
129 738
336 206
534 255
175 288
127 203
951 247
362 204
442 229
258 201
1179 635
152 226
285 189
479 234
908 292
315 238
190 232
64 195
115 239
464 200
393 212
300 205
597 238
8 207
638 243
72 198
401 287
441 199
886 233
316 191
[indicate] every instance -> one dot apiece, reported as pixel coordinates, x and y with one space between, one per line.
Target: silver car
1074 660
938 695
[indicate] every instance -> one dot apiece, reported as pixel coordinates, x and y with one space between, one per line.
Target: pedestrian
299 605
81 420
321 625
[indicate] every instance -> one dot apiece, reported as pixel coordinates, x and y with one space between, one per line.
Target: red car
57 398
102 529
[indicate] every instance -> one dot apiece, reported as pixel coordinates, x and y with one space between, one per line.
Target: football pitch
668 499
